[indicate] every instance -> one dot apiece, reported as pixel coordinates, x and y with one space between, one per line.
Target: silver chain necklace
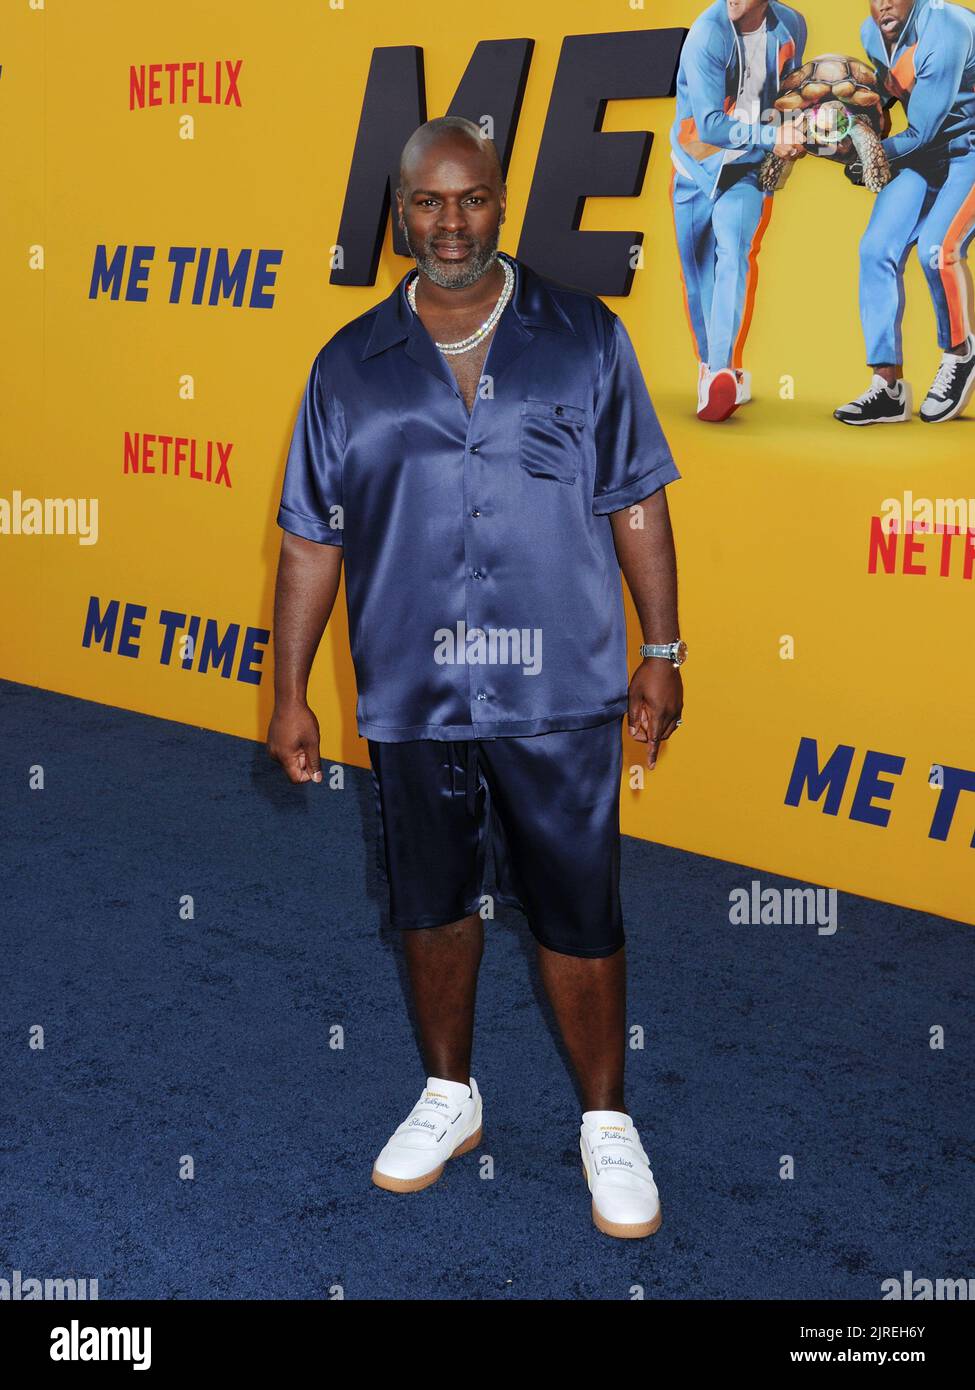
465 344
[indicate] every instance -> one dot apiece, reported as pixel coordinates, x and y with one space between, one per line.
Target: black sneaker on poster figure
952 388
879 405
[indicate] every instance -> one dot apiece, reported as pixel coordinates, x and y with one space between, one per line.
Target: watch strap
674 652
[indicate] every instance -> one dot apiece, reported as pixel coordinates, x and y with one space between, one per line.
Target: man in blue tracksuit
925 54
733 62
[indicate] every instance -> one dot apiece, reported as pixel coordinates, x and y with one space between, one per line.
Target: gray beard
450 277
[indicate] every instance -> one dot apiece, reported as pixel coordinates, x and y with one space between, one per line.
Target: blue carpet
209 1040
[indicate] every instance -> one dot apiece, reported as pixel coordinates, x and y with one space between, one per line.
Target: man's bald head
453 133
451 201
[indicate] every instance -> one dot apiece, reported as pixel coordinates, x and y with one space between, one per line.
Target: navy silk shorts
547 805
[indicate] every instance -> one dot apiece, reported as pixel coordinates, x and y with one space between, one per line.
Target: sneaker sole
861 424
391 1184
630 1230
721 404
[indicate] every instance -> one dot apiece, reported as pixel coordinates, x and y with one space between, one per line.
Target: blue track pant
934 208
718 240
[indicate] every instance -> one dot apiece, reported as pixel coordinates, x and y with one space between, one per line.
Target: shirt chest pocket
551 444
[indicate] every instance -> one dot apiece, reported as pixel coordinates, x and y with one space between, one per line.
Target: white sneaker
952 388
625 1201
743 382
717 396
444 1123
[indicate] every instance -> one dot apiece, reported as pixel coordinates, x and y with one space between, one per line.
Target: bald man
481 452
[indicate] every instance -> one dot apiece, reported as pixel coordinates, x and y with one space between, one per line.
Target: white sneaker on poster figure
444 1123
718 396
743 386
952 388
625 1201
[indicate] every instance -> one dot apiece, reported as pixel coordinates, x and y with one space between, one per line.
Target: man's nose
452 217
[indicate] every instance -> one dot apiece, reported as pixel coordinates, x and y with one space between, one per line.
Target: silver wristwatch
674 652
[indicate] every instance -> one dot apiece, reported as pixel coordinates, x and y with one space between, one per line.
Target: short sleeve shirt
483 588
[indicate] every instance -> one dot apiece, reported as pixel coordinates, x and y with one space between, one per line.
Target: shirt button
475 449
475 511
481 695
477 574
559 410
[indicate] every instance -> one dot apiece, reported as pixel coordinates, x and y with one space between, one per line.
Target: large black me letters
576 160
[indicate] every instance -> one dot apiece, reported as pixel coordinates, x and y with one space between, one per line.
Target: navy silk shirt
483 589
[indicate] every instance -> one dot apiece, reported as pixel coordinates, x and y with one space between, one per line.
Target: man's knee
876 252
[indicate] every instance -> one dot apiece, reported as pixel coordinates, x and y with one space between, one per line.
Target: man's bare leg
589 1000
443 964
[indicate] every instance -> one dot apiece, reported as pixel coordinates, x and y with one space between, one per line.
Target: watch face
680 655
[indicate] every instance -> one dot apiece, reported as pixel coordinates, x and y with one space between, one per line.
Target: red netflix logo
177 84
946 551
174 456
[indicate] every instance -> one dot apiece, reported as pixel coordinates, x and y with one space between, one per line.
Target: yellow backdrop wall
791 635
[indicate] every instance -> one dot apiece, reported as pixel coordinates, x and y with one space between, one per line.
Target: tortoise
842 101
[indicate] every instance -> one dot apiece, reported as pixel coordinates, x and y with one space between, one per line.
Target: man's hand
649 564
304 594
791 143
293 741
656 701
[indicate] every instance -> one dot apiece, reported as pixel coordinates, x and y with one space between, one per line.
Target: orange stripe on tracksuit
952 270
719 240
902 77
752 286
